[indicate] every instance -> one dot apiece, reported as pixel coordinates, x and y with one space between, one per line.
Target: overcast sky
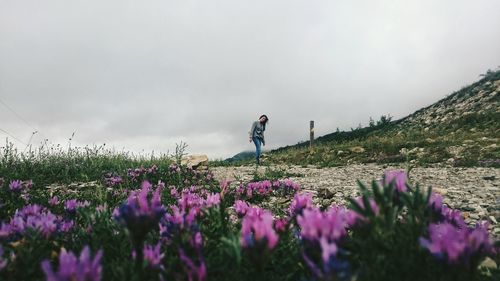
145 75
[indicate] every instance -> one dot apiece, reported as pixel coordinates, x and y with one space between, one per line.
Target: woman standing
256 135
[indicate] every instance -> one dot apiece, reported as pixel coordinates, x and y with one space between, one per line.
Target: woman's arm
250 134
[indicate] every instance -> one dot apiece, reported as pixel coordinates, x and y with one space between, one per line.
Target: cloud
144 75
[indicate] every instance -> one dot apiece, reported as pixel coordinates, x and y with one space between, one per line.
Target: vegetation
463 129
163 222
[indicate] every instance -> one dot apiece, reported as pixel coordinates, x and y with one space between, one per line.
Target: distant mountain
242 156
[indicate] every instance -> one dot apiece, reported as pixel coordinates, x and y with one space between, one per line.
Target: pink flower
300 202
257 229
398 178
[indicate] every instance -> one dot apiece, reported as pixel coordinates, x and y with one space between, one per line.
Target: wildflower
193 270
140 214
72 204
241 207
321 232
299 203
16 185
281 225
152 255
457 245
54 201
444 213
112 180
34 217
398 178
257 229
72 268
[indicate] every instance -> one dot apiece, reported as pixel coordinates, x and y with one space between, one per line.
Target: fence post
311 134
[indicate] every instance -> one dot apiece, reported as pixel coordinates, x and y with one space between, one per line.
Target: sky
143 76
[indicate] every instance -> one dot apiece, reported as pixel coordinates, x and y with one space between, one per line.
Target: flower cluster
445 214
241 207
71 205
325 228
457 245
54 201
266 187
134 174
140 213
83 268
257 229
112 180
299 203
190 204
18 185
321 232
152 255
34 217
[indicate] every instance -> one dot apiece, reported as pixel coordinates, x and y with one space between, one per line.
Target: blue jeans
258 143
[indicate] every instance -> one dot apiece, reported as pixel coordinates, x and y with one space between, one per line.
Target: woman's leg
257 143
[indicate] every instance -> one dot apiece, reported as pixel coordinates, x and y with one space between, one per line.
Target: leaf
356 207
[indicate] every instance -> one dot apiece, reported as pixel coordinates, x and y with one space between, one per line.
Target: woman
256 135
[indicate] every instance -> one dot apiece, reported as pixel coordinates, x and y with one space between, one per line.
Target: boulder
195 161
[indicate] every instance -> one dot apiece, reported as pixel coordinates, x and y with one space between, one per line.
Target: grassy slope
462 129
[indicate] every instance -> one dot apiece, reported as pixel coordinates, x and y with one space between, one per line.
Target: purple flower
257 229
193 270
72 268
444 213
398 178
281 225
152 255
141 214
324 228
72 204
241 207
300 202
54 201
458 245
3 262
113 180
34 217
16 185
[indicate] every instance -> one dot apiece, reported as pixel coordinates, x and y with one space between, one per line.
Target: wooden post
311 134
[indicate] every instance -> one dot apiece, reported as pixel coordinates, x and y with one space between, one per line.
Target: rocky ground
474 191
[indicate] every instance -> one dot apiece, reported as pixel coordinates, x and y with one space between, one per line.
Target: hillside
462 129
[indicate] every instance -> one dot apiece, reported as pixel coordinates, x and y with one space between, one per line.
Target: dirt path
475 191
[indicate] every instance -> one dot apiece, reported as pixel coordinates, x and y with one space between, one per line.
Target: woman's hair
267 119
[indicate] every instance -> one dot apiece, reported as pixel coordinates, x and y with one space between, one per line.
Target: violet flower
34 217
54 201
241 207
71 268
398 178
141 214
257 229
300 202
16 185
194 271
458 245
152 255
72 204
